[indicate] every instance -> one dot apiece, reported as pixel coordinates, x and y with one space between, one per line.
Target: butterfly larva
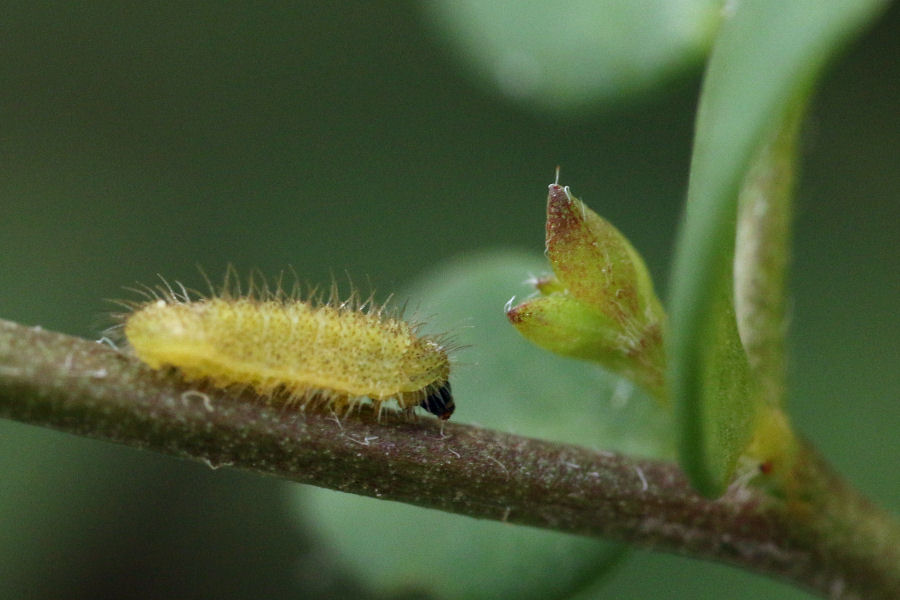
331 353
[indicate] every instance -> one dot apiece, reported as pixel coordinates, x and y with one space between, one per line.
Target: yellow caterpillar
331 353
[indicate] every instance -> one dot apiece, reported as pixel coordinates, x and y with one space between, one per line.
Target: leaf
764 61
504 382
563 56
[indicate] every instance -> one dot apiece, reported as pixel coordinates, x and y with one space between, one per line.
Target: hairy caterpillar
332 353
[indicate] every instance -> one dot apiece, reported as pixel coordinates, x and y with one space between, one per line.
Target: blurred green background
358 139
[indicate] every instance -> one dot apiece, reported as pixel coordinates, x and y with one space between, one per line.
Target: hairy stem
762 251
823 536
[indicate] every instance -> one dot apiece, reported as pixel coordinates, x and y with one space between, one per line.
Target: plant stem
823 536
762 251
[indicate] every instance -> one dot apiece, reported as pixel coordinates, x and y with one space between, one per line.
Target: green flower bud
595 262
600 305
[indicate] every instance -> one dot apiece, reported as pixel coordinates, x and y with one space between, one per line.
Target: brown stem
824 537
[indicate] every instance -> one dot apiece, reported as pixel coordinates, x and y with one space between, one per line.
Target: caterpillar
309 352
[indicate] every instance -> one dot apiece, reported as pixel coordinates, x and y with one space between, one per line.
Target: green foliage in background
576 55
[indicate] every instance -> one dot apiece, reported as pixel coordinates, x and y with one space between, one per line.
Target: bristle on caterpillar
310 352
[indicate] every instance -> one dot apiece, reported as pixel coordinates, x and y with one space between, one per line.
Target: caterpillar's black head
440 402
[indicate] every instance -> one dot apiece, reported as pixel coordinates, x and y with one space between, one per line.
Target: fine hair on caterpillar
310 352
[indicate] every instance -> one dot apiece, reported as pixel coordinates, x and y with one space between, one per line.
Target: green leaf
502 381
764 61
562 56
